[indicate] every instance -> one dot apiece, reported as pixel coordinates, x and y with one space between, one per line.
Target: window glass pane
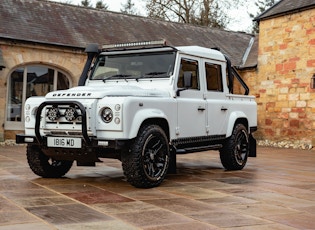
15 95
144 65
40 81
214 77
62 82
192 67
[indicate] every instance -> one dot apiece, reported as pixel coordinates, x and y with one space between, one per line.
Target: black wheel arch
160 122
242 120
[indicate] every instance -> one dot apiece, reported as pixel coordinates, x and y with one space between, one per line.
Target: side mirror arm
179 90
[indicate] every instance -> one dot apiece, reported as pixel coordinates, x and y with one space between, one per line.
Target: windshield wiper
117 76
152 75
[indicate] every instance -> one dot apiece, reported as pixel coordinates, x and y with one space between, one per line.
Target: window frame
19 125
198 80
219 78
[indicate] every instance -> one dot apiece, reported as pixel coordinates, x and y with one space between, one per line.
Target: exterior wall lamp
313 81
1 61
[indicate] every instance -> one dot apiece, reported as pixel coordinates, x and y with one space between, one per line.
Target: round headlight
107 115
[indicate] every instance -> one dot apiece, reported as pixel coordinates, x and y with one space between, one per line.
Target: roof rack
135 44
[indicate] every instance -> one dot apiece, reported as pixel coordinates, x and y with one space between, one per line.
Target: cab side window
192 67
214 77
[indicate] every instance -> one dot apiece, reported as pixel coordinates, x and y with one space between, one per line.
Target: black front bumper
90 152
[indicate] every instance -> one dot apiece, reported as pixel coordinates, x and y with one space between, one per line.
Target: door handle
224 108
201 108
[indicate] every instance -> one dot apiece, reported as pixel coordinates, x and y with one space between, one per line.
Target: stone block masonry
286 63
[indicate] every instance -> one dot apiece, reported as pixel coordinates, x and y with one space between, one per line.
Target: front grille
65 133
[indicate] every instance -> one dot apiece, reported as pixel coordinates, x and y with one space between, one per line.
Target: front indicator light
107 115
103 143
29 139
117 120
27 107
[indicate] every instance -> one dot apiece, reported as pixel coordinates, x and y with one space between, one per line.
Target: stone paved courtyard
276 190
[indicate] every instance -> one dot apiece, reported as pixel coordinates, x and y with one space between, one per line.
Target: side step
198 149
172 166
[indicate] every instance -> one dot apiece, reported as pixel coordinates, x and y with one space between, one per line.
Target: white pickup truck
142 103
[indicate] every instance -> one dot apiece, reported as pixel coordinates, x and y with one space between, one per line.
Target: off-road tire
235 150
146 163
45 166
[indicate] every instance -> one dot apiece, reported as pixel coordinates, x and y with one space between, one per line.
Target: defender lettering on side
142 103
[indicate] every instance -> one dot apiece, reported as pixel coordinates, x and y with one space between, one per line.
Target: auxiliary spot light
71 114
53 113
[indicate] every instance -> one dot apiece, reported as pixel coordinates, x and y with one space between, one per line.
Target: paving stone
183 206
97 197
66 214
300 220
33 226
153 218
9 217
263 210
193 192
226 218
125 207
105 225
185 226
155 193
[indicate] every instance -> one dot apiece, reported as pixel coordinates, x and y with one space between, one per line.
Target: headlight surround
107 114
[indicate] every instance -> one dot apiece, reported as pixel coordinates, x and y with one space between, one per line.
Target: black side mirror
187 82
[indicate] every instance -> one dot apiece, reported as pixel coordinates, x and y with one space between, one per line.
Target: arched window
27 81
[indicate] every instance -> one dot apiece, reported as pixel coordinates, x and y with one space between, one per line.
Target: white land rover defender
142 103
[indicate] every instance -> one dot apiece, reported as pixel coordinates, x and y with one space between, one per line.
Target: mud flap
252 146
172 164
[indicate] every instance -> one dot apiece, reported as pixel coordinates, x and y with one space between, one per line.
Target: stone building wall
70 61
286 63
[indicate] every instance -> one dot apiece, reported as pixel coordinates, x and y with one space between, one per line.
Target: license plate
64 142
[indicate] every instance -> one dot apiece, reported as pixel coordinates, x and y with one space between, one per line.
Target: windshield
134 66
